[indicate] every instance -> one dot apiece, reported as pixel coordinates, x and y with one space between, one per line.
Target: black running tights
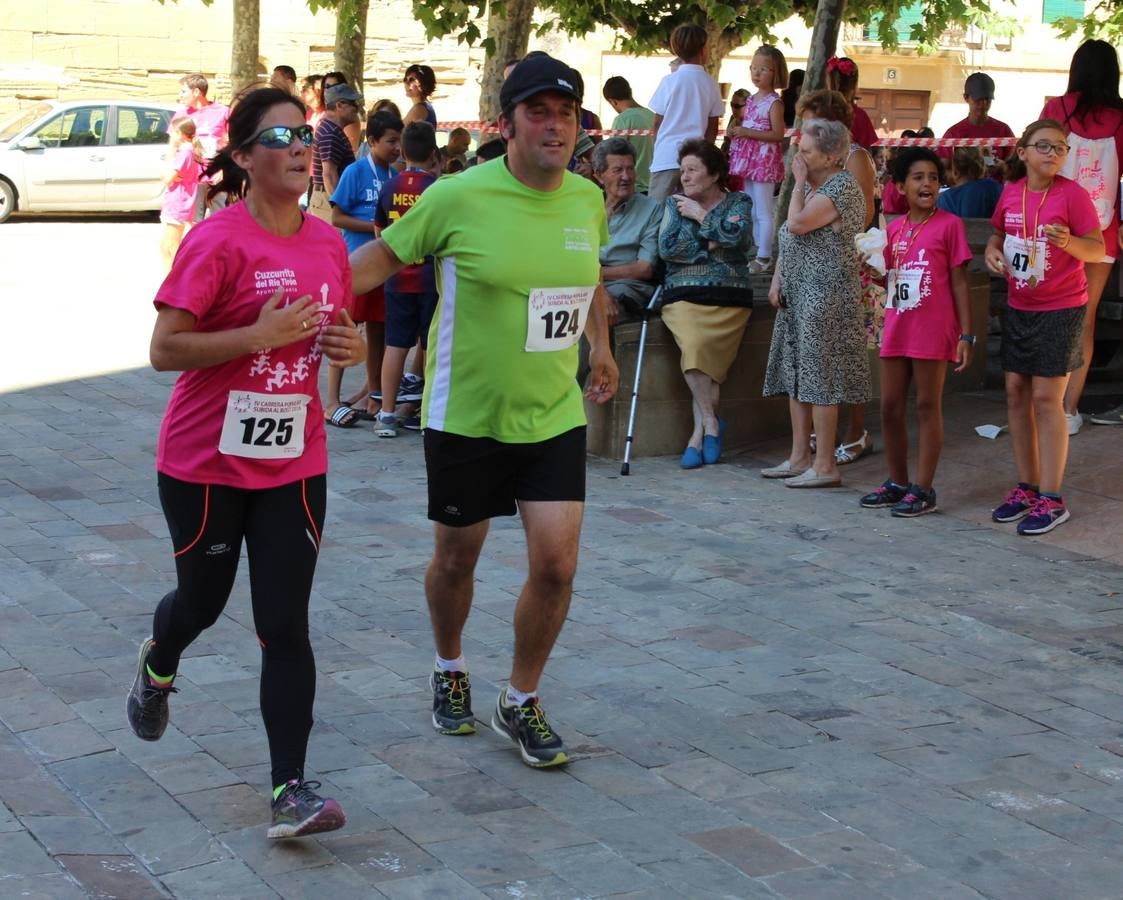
281 527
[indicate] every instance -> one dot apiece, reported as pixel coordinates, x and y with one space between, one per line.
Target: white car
84 156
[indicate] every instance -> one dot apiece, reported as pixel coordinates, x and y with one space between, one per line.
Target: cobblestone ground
769 693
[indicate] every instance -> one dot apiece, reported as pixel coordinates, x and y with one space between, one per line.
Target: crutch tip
625 469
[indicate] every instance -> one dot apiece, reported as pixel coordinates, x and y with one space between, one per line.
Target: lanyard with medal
904 291
1026 255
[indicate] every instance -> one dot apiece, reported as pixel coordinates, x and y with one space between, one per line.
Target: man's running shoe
452 702
888 494
1045 515
917 502
147 703
299 810
526 726
386 426
411 388
1016 505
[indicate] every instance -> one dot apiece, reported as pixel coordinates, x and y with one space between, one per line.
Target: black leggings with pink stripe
281 527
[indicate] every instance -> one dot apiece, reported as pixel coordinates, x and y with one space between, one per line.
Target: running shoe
1016 505
386 425
411 388
452 702
916 502
527 727
1047 513
412 423
1111 417
888 494
147 703
299 810
1074 422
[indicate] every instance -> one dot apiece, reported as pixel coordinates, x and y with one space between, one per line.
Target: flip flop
343 417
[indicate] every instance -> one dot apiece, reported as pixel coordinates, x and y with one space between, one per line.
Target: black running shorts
472 479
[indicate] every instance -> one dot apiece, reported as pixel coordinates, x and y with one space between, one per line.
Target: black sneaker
917 502
411 389
412 423
147 705
889 494
299 810
452 702
526 726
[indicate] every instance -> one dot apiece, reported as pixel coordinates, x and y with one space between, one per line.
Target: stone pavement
770 693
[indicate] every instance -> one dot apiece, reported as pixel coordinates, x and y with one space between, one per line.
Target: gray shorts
1047 343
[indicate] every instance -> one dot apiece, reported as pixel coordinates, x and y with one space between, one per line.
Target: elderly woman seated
818 354
705 240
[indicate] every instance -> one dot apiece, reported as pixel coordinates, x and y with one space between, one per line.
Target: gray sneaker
1111 417
386 426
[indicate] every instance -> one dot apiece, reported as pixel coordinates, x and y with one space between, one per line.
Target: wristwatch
969 338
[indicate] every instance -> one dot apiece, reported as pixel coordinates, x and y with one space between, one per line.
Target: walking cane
648 312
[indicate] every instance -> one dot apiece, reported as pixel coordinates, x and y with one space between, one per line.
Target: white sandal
852 452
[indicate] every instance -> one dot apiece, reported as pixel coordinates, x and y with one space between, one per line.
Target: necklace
914 233
1031 242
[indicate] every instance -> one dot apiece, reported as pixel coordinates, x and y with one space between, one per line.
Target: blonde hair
779 65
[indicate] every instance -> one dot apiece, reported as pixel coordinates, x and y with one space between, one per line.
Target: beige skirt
708 336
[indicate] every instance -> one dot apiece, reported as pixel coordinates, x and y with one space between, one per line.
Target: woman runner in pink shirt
257 296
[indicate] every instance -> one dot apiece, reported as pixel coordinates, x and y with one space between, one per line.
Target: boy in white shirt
687 105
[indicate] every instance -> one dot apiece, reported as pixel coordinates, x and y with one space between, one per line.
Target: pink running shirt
226 268
924 324
1063 284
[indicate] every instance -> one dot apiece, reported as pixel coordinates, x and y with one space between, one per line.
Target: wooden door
893 110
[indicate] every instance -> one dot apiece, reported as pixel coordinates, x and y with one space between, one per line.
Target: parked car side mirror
30 143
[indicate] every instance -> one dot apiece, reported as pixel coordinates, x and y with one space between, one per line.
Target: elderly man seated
628 261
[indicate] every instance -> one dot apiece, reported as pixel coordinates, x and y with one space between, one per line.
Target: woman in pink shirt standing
1091 112
1046 229
257 296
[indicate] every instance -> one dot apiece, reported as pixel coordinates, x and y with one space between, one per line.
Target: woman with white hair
818 355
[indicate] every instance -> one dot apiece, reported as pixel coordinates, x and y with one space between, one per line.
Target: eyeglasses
280 136
1046 149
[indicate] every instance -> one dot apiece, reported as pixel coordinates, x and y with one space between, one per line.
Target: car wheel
7 200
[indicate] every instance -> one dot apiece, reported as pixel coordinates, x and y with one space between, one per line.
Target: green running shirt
494 240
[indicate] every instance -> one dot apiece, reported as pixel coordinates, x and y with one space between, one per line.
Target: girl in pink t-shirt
756 153
1046 228
257 296
927 325
184 155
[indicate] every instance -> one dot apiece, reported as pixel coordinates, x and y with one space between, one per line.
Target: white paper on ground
989 431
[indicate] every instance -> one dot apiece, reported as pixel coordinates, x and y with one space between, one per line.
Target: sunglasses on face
1045 148
280 136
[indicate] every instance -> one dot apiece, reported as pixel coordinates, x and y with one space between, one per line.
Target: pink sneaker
1046 515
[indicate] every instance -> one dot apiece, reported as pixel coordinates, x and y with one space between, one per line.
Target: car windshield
16 123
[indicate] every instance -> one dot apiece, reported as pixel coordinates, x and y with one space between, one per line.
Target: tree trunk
351 40
243 49
824 41
510 31
719 44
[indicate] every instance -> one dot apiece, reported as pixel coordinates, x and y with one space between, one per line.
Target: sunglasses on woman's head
281 136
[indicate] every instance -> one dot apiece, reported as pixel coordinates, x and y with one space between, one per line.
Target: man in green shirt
631 116
516 247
